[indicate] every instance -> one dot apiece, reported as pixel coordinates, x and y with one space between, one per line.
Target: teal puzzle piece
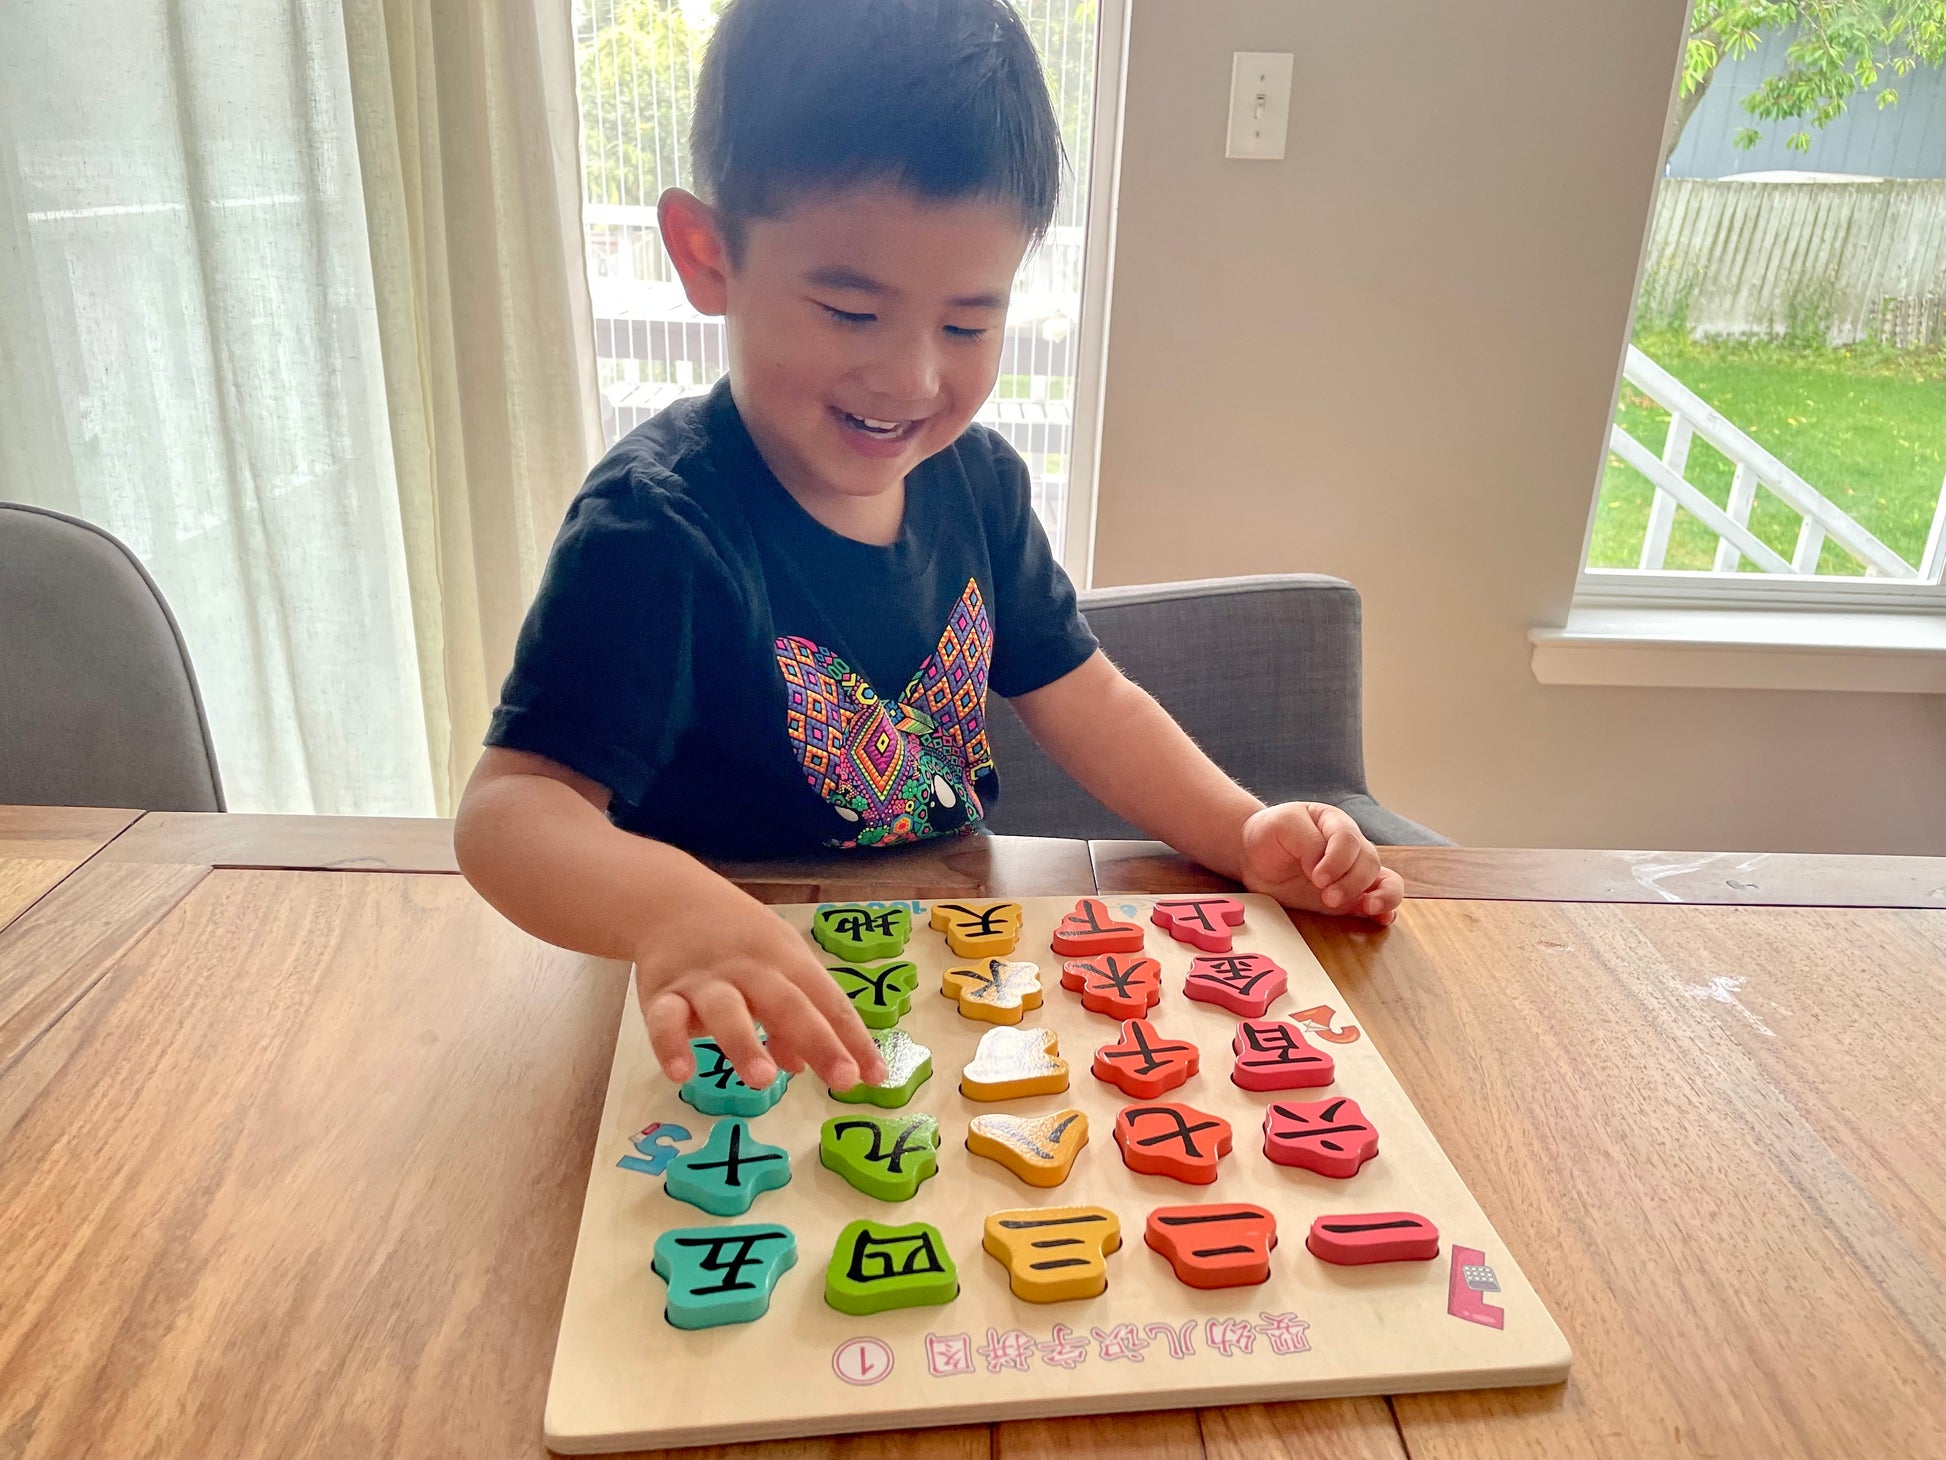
715 1088
655 1147
861 934
719 1275
728 1171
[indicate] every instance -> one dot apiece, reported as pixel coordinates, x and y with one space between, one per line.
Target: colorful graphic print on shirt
900 770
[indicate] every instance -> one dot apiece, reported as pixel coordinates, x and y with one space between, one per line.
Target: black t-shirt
747 682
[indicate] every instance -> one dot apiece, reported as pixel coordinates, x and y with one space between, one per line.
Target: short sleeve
1038 632
604 674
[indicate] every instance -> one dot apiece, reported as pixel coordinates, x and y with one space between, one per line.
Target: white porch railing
1690 416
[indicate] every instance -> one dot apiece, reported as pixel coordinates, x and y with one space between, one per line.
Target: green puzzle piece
874 1268
715 1088
708 1270
908 1065
885 1156
861 934
882 995
728 1171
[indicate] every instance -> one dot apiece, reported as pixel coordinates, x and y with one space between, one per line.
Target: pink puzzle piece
1204 922
1243 983
1330 1137
1275 1055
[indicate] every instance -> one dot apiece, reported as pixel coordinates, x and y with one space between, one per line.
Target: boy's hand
723 969
1314 857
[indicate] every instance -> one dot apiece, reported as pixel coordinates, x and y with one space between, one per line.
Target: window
1780 429
638 61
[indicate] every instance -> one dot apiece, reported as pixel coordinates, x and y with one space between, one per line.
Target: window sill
1689 648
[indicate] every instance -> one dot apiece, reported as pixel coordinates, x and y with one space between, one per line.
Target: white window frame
1097 278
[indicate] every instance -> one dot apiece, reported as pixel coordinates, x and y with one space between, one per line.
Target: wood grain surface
39 845
1711 1135
1749 879
971 866
300 1176
326 843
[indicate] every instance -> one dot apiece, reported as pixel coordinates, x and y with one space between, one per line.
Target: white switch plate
1260 104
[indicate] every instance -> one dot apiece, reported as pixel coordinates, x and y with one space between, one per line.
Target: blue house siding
1907 140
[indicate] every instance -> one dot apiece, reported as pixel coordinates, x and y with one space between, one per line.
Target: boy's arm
1112 737
534 839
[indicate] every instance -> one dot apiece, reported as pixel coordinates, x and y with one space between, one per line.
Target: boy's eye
845 316
965 332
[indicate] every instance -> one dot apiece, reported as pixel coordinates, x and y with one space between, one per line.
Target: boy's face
864 331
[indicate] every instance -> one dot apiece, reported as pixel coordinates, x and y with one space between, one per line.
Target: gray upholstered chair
1264 673
98 702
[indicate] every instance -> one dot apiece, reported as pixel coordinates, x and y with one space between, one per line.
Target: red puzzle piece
1215 1246
1274 1055
1330 1137
1373 1237
1203 921
1091 928
1319 1021
1121 988
1171 1139
1243 983
1145 1063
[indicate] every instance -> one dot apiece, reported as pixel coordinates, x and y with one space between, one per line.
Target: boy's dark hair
942 97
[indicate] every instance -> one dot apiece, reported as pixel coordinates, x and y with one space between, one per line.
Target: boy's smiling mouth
876 437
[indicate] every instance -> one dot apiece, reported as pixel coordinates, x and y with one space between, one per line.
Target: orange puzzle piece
1091 929
1145 1062
1168 1138
1215 1245
1118 986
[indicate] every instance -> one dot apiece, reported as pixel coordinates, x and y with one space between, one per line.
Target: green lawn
1865 426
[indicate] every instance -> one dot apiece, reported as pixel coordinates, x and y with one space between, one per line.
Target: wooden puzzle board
625 1379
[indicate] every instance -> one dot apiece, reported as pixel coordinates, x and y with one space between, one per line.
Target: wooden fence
1834 261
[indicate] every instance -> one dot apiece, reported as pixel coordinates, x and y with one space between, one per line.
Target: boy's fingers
727 1017
821 989
1344 846
783 1005
667 1018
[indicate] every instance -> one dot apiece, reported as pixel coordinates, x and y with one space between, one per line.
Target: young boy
772 617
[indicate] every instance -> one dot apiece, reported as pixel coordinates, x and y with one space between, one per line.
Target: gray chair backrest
98 702
1264 674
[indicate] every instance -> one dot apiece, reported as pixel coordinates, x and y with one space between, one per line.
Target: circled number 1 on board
862 1360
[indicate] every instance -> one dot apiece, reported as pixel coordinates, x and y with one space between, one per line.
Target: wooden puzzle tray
626 1378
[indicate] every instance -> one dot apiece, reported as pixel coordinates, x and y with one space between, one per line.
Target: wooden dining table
294 1132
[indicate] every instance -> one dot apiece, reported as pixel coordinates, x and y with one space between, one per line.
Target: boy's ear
695 242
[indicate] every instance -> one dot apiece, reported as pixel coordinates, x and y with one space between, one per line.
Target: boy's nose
909 376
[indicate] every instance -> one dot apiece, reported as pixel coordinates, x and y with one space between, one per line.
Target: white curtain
210 346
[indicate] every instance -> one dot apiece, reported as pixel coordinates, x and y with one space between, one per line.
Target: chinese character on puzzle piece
1010 1350
1121 1342
1286 1331
1244 983
948 1354
1062 1351
1227 1335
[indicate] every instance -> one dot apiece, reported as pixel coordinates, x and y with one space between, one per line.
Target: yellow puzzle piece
1011 1063
1054 1253
1039 1149
995 991
978 929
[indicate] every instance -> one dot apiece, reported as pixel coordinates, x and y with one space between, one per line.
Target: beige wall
1391 357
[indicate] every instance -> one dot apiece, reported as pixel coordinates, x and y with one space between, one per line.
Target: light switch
1260 104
